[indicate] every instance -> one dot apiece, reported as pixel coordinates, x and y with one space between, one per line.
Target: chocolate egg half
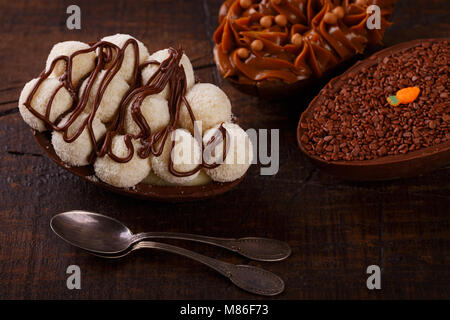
351 131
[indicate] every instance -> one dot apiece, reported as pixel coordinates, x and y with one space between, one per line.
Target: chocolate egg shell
142 190
384 168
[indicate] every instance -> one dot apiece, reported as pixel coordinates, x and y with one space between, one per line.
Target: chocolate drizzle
110 58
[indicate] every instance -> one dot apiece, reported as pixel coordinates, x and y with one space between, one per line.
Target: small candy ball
281 20
242 53
266 21
77 152
110 102
209 104
186 156
60 104
245 3
160 56
330 18
339 12
239 155
297 39
126 70
82 64
122 175
257 45
155 110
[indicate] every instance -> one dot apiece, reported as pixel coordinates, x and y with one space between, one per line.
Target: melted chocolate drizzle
110 58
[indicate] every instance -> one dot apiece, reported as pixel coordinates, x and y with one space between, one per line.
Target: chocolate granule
357 122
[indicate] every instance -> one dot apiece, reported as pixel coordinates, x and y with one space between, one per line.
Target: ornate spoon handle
246 277
262 249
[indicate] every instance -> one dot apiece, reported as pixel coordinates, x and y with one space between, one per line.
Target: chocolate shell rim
142 191
334 85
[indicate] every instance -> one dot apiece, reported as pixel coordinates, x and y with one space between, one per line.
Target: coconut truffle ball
209 105
76 153
82 64
60 104
126 70
160 56
186 156
122 175
155 110
112 97
239 155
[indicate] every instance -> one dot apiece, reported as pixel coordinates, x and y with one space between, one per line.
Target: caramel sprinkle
266 21
339 12
281 20
243 53
297 39
330 18
257 45
245 3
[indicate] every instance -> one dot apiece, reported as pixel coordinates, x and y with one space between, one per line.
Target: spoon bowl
92 231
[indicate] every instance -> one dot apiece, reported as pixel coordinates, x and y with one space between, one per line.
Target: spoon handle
262 249
246 277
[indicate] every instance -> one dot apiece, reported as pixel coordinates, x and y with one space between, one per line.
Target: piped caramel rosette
275 44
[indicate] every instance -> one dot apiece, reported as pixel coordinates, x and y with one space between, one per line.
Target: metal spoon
246 277
101 234
92 231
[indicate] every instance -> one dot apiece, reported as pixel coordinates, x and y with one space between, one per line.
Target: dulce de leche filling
292 40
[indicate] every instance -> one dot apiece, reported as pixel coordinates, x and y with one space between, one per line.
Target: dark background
336 228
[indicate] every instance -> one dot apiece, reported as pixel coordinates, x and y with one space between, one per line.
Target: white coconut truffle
155 110
209 104
122 175
60 104
238 158
82 64
126 70
76 153
186 156
160 56
111 99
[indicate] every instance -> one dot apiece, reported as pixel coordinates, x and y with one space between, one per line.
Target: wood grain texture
336 228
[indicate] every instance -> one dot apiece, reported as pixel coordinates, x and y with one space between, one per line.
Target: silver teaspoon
246 277
101 234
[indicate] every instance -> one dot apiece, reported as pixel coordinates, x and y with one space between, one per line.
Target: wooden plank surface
336 228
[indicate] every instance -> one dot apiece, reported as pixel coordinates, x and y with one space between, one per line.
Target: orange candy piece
407 95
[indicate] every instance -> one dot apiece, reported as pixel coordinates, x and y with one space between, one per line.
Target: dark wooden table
336 228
